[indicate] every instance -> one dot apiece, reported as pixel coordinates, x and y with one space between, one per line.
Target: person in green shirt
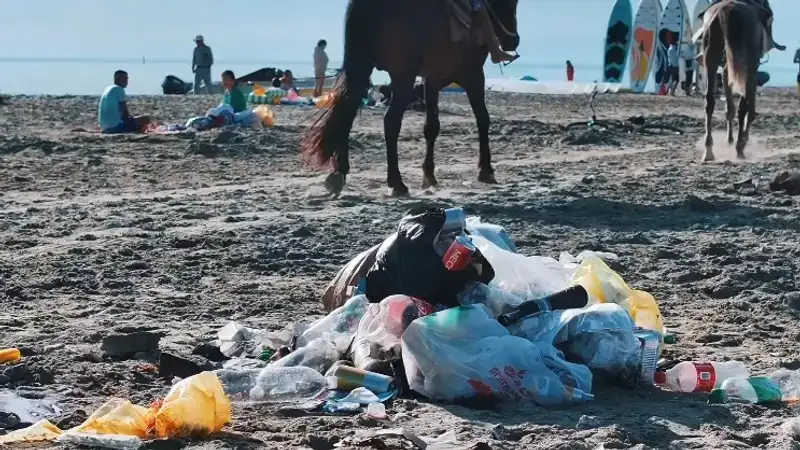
233 95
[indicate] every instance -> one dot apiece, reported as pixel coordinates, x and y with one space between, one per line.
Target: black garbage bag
173 85
407 263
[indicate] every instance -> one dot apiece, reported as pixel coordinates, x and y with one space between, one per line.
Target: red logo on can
457 256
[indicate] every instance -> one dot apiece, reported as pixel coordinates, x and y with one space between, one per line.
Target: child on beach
112 112
233 95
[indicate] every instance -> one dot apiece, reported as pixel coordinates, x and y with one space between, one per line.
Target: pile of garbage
447 309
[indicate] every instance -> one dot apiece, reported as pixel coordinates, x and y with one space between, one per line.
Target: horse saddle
460 13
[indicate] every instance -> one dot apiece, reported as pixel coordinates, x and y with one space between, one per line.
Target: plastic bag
343 285
385 322
194 406
42 430
339 326
265 116
119 416
462 352
498 301
527 277
606 286
496 234
407 263
599 336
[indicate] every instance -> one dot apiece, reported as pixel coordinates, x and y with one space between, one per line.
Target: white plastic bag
527 277
498 301
462 352
599 336
385 322
339 326
493 233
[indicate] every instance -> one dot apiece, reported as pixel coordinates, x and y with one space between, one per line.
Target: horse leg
402 92
431 131
476 94
747 111
730 107
711 92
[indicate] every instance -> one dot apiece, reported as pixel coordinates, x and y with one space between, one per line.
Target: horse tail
330 131
737 41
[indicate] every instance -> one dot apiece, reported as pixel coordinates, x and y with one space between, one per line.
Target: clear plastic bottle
700 376
319 354
780 386
272 384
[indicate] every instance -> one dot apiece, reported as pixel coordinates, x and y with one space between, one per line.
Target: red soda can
457 256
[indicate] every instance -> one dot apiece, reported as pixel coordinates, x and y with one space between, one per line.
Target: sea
72 48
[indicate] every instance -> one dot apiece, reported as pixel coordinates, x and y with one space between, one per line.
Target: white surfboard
697 23
643 45
670 28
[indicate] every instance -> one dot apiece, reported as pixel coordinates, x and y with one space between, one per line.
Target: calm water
53 47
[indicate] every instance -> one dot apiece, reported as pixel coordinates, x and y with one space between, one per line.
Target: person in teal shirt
233 95
112 112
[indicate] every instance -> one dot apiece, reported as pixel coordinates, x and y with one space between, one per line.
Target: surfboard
643 45
618 41
697 23
669 28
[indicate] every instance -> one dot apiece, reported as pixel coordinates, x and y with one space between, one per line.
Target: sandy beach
180 234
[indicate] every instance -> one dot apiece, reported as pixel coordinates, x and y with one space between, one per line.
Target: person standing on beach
112 112
320 66
797 61
570 71
688 57
673 68
202 60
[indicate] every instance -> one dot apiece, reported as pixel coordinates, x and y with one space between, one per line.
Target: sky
250 34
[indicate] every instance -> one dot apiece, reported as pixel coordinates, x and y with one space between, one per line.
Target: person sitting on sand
233 95
113 115
287 82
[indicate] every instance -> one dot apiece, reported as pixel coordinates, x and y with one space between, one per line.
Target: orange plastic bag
9 355
196 406
325 101
118 416
606 286
265 115
42 430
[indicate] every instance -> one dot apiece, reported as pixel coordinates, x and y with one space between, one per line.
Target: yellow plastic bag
118 416
196 406
265 115
42 430
606 286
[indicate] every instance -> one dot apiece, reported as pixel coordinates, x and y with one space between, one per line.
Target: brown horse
406 38
735 35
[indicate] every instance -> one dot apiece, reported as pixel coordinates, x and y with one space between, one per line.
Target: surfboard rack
633 125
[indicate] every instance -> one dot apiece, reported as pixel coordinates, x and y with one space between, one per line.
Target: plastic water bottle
272 384
319 354
700 376
780 386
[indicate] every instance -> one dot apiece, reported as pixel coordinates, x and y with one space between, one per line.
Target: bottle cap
717 396
660 377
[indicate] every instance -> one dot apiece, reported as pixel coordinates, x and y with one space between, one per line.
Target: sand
181 234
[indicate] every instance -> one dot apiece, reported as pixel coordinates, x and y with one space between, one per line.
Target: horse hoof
401 191
429 182
487 177
708 157
334 183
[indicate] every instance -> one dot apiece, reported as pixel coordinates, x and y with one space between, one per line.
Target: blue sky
249 33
